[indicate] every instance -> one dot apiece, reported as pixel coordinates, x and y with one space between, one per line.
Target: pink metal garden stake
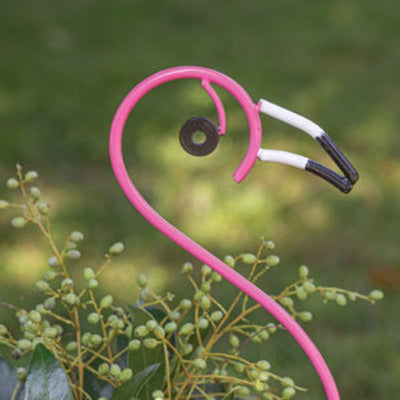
254 151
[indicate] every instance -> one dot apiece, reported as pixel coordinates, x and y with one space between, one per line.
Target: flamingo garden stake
254 151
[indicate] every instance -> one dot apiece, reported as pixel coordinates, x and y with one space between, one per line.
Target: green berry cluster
84 327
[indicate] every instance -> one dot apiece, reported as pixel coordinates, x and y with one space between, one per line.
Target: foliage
76 344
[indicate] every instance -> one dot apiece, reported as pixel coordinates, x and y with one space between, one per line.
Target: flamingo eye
199 136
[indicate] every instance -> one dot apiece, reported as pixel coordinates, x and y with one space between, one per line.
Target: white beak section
283 157
290 118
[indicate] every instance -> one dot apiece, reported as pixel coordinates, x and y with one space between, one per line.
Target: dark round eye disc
199 128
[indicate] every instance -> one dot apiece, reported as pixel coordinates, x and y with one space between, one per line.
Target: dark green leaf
143 358
8 380
134 387
46 379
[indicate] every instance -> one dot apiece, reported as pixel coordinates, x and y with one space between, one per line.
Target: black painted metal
199 124
344 183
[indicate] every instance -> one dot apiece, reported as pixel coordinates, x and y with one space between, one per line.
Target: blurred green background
66 65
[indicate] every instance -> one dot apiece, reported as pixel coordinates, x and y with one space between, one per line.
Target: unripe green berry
42 285
3 330
264 335
72 346
253 374
301 293
141 331
49 303
303 272
92 284
234 341
206 270
31 326
170 327
273 260
216 315
239 367
198 295
43 207
115 370
93 318
203 323
21 373
71 299
31 176
271 328
24 344
305 316
341 299
142 280
242 391
106 301
376 295
174 315
158 395
73 254
151 325
35 192
88 274
67 284
248 258
53 262
187 268
187 348
287 301
71 245
216 277
287 382
103 369
96 340
76 236
200 363
256 339
3 204
330 295
269 244
309 287
86 338
134 345
187 328
12 184
352 296
263 365
288 393
185 304
150 343
116 248
126 374
205 287
19 222
35 316
205 303
50 332
49 276
229 261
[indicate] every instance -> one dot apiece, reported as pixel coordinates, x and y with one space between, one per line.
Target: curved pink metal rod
184 241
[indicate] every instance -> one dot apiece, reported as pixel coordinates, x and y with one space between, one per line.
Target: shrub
76 344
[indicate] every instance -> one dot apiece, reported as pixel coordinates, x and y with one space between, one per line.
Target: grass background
66 65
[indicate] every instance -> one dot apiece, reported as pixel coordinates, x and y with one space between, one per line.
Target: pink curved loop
184 241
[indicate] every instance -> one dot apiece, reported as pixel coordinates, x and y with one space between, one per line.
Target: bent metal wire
207 77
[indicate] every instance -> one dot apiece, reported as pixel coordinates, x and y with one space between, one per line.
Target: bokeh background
66 65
